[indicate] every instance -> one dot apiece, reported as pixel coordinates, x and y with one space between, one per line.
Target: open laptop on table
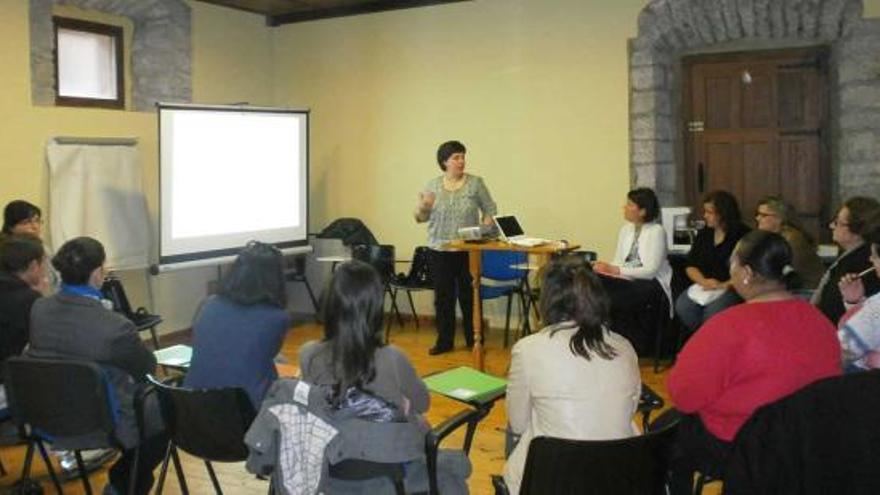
510 231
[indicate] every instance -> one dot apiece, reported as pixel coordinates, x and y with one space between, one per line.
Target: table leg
474 260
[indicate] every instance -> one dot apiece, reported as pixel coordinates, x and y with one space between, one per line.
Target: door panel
756 125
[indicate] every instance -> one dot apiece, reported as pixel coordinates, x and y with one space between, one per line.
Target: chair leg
311 294
507 320
394 308
45 455
154 338
701 482
163 471
213 476
83 474
658 343
412 307
178 468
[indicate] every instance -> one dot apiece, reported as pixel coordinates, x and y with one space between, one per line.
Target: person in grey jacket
75 324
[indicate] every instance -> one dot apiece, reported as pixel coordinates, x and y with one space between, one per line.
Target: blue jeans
693 315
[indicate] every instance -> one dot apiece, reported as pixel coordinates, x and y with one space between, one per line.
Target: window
88 64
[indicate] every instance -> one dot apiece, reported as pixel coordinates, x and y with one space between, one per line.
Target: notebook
467 385
510 231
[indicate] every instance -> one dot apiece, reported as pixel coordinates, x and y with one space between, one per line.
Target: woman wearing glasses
846 230
775 215
21 217
238 332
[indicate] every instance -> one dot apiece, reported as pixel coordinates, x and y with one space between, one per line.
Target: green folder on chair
467 385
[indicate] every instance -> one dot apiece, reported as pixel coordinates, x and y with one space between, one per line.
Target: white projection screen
229 175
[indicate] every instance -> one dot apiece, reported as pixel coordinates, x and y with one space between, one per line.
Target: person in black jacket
708 262
22 273
846 230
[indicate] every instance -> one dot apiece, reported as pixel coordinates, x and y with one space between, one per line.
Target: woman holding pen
859 330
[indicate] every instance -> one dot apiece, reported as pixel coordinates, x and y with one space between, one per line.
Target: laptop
510 231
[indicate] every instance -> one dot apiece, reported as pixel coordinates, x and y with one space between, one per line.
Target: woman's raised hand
426 200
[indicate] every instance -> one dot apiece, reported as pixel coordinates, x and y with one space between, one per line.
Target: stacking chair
417 279
66 402
208 424
380 257
507 282
628 466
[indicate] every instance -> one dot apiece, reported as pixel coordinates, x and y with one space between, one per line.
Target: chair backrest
628 466
115 292
497 264
210 423
420 270
379 256
60 398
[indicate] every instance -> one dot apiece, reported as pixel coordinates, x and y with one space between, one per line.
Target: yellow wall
232 62
537 90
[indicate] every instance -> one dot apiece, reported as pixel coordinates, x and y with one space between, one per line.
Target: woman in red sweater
746 356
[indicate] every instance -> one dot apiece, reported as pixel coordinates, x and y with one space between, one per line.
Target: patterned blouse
456 209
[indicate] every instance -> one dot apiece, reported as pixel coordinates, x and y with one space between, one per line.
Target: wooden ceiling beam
350 10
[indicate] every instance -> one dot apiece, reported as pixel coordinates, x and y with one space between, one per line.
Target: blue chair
507 282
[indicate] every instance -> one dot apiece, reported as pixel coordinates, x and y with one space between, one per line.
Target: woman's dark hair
448 149
726 207
645 199
572 292
18 211
257 276
767 254
77 259
353 311
17 252
860 207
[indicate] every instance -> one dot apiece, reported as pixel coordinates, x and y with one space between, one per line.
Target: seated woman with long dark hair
238 333
352 353
575 378
708 261
746 356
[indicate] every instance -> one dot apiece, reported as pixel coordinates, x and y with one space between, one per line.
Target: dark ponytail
769 255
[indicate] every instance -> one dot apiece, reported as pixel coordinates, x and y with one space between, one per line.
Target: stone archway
670 29
160 51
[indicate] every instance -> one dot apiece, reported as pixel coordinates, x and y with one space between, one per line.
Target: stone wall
670 29
160 52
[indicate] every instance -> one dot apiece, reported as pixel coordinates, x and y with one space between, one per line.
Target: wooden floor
487 454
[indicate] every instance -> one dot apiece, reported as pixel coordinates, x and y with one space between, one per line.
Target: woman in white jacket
639 274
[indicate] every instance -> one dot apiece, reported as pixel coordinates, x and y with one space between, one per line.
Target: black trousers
452 280
628 317
694 449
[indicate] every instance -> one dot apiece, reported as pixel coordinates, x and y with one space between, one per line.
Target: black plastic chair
380 257
417 279
51 400
208 424
143 320
295 271
628 466
360 470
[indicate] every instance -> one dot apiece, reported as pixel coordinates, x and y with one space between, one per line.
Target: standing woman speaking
449 202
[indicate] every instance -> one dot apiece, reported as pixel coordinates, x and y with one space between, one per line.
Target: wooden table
475 260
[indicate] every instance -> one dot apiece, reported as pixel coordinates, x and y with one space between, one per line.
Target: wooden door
755 126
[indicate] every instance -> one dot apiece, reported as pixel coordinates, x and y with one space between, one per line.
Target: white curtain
96 190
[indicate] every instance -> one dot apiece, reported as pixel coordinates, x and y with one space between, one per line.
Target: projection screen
229 175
